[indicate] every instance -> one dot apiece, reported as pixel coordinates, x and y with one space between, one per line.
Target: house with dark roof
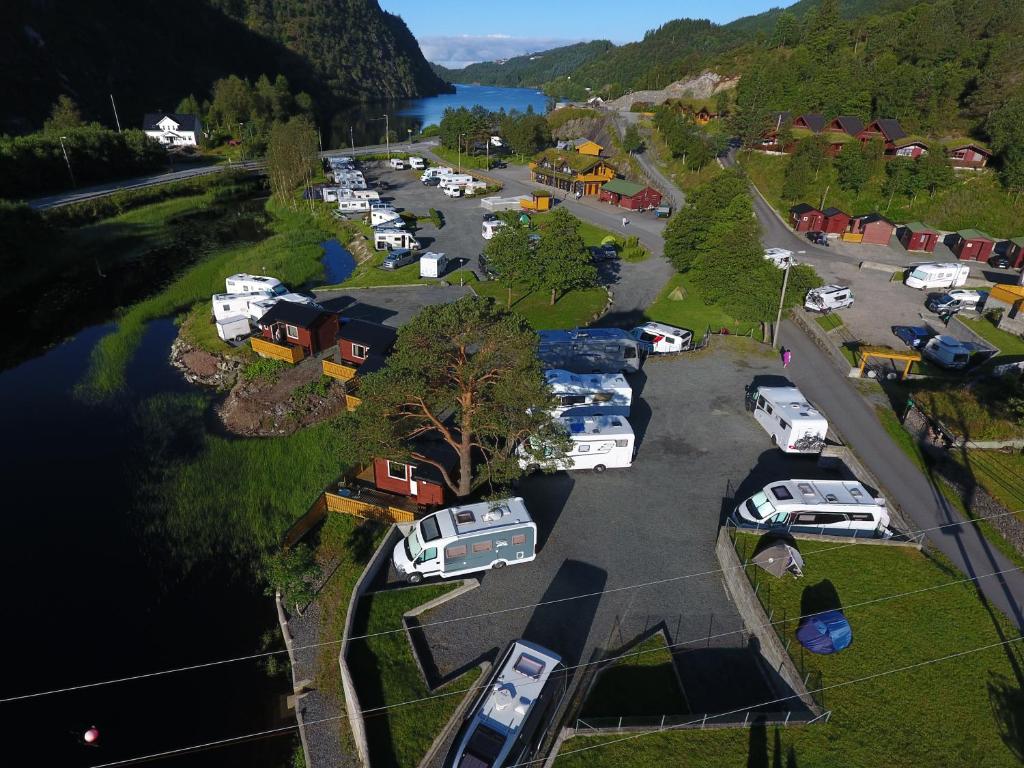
915 236
972 245
909 147
811 121
835 221
306 326
774 124
627 194
571 171
806 218
840 131
871 228
172 129
886 129
365 345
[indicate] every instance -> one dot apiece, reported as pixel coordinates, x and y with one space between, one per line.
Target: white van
780 257
658 338
815 506
452 190
417 163
947 352
597 443
433 264
589 393
828 298
397 163
474 537
387 239
436 172
936 275
793 423
352 205
490 228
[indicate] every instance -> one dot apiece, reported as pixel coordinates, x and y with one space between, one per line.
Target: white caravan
452 190
841 507
235 327
490 228
793 423
780 257
474 187
589 393
362 194
436 171
474 537
417 163
433 264
828 298
350 205
387 239
330 194
596 442
947 351
228 305
936 275
397 163
243 282
658 338
455 179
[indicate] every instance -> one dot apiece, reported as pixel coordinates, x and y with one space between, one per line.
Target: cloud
457 51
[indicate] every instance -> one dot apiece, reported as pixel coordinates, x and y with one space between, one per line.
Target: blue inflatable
826 632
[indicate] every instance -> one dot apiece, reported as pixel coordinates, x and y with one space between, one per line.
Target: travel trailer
459 540
596 442
793 423
590 350
452 190
935 275
379 216
513 710
828 298
234 327
780 257
947 352
433 264
398 258
228 305
841 507
456 179
581 394
352 205
397 163
388 239
436 172
490 228
417 163
657 338
246 283
362 194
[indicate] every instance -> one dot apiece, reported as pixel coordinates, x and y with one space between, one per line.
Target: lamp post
782 301
387 135
68 161
409 131
351 138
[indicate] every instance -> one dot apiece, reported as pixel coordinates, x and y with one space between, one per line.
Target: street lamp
387 135
409 131
67 160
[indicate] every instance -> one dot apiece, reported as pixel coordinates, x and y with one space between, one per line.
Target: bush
437 218
263 369
291 572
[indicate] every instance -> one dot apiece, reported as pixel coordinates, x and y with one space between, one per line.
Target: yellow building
571 172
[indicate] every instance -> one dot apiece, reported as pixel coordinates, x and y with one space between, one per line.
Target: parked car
490 217
999 262
955 301
818 238
914 336
432 181
606 252
948 352
398 258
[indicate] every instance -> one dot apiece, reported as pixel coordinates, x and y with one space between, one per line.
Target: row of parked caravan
450 182
245 300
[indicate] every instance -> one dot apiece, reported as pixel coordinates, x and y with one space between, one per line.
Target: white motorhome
417 163
455 179
387 239
579 394
793 423
228 305
243 282
452 190
596 442
936 275
467 539
947 351
362 194
329 194
828 298
490 228
590 350
780 257
658 338
351 205
437 171
397 163
815 506
433 264
235 327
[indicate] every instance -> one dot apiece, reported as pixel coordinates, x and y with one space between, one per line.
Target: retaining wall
297 693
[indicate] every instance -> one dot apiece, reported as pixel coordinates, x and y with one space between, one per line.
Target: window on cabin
397 471
292 331
361 351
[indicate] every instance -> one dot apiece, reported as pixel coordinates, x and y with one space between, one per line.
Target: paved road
675 196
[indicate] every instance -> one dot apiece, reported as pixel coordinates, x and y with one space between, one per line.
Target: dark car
433 181
818 238
499 164
607 252
999 262
490 217
914 336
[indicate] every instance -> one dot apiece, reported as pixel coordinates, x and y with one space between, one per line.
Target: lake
413 114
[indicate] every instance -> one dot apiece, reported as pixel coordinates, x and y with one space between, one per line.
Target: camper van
452 190
513 710
780 257
828 298
417 163
226 305
379 216
956 300
657 338
436 172
398 258
362 194
474 537
433 264
579 394
234 327
934 275
947 352
351 205
596 442
590 350
397 163
456 179
246 283
793 423
490 228
388 239
841 507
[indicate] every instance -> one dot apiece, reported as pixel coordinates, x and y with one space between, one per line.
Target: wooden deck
338 371
265 348
372 505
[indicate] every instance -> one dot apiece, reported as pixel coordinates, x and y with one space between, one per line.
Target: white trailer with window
843 507
793 423
436 171
936 275
596 442
235 327
397 164
658 338
594 394
229 305
455 179
352 205
388 239
467 539
828 298
243 282
362 194
433 264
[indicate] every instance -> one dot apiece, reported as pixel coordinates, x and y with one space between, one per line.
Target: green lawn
639 685
1001 474
574 309
369 274
469 162
691 312
976 200
385 673
674 167
829 322
951 713
1008 344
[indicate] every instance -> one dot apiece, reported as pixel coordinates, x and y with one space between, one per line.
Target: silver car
398 258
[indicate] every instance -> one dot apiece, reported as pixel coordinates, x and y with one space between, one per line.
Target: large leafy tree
563 261
291 157
467 374
852 168
510 257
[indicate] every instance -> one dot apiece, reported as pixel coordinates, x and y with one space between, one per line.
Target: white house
171 129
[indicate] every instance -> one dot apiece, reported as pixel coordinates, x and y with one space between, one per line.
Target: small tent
825 632
780 558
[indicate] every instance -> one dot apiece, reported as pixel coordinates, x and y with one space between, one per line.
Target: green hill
150 54
529 70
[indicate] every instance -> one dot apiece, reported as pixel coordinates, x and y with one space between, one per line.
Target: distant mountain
151 53
529 70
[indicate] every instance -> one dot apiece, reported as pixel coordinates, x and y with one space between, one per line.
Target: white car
657 338
828 298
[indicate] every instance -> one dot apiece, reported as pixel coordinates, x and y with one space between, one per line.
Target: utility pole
351 138
387 135
782 300
68 161
116 118
409 131
460 150
320 139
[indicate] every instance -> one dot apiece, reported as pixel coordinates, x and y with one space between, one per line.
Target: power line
486 614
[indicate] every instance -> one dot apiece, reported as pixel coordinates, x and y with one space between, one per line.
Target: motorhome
841 507
467 539
329 194
513 710
474 187
433 264
581 394
353 180
452 190
658 338
956 300
455 179
353 205
227 305
398 258
246 283
389 239
596 442
794 424
417 163
490 228
234 327
590 350
780 257
947 352
397 163
362 194
436 172
828 298
385 217
935 275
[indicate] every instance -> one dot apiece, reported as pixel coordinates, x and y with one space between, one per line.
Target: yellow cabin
589 147
571 172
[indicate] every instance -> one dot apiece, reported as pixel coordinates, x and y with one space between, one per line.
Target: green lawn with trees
525 132
681 304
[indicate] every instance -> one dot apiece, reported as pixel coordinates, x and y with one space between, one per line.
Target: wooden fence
370 506
338 371
265 348
316 512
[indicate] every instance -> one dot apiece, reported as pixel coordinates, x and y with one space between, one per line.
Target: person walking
625 221
787 357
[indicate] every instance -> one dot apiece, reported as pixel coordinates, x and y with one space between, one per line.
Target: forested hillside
529 70
150 54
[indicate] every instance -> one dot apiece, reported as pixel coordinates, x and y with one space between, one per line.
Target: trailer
388 239
455 179
417 163
228 305
351 205
794 425
936 275
467 539
436 172
362 194
386 217
596 442
243 282
590 350
828 298
490 228
433 264
589 394
843 507
397 164
234 327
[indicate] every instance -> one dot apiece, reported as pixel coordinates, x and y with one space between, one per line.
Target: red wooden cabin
835 221
910 148
968 156
626 194
300 325
972 245
884 128
806 218
419 481
364 344
874 228
811 121
915 236
1015 252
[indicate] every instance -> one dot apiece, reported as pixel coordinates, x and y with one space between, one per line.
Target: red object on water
91 736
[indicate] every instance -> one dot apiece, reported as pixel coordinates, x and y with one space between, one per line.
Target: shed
972 245
627 194
363 343
835 221
871 228
968 155
307 326
915 236
812 121
1014 251
806 218
414 478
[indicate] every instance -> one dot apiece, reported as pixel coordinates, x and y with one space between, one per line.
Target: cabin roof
917 227
374 335
972 234
293 313
623 187
185 122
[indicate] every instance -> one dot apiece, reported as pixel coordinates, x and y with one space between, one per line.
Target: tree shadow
1007 699
564 626
757 744
819 598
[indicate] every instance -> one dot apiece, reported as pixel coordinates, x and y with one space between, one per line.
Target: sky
459 32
